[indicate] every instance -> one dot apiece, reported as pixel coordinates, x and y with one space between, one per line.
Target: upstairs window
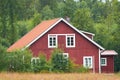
70 41
87 62
52 41
103 61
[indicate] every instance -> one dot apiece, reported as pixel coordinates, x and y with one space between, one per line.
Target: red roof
109 52
30 36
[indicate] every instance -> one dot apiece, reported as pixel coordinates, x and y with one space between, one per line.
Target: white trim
71 27
55 36
35 58
87 33
70 35
66 54
62 34
105 62
84 63
92 37
99 61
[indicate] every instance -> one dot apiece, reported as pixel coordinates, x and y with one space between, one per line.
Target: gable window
52 41
70 41
66 55
35 60
103 61
87 62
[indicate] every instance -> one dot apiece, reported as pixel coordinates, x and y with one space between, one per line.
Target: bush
19 61
41 65
3 62
60 63
80 69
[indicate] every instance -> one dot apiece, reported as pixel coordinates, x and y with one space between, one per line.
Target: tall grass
52 76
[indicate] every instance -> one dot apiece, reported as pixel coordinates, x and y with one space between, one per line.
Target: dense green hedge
20 61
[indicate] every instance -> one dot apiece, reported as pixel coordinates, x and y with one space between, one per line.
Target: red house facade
77 45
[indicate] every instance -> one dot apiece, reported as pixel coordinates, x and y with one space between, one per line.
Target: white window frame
66 55
71 35
91 62
52 36
34 58
105 63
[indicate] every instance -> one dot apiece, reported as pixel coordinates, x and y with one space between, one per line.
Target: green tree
59 62
47 13
98 10
41 64
59 10
70 7
19 61
82 19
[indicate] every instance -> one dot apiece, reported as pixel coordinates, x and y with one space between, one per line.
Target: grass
53 76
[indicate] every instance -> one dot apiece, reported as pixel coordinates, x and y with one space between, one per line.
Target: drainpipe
99 61
93 64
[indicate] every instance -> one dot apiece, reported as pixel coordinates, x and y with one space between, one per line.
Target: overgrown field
62 76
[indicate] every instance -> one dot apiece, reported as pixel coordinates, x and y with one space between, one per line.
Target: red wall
82 46
110 64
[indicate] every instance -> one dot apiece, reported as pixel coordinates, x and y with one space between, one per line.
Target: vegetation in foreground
52 76
23 61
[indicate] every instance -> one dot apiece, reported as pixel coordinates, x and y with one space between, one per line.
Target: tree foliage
59 62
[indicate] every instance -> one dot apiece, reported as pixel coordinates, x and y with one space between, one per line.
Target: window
66 55
103 61
52 41
70 41
87 62
35 60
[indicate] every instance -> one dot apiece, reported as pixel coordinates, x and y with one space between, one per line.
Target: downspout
99 61
93 64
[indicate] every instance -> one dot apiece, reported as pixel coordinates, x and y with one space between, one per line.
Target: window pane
86 62
89 62
71 43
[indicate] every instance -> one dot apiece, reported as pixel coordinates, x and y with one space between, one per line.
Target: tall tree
70 7
82 19
47 13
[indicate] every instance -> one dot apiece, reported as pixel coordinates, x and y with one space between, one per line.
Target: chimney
67 18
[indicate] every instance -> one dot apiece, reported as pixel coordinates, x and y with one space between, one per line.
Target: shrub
19 61
80 69
3 61
41 65
60 63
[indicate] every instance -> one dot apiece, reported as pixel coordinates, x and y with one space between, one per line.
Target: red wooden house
77 45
